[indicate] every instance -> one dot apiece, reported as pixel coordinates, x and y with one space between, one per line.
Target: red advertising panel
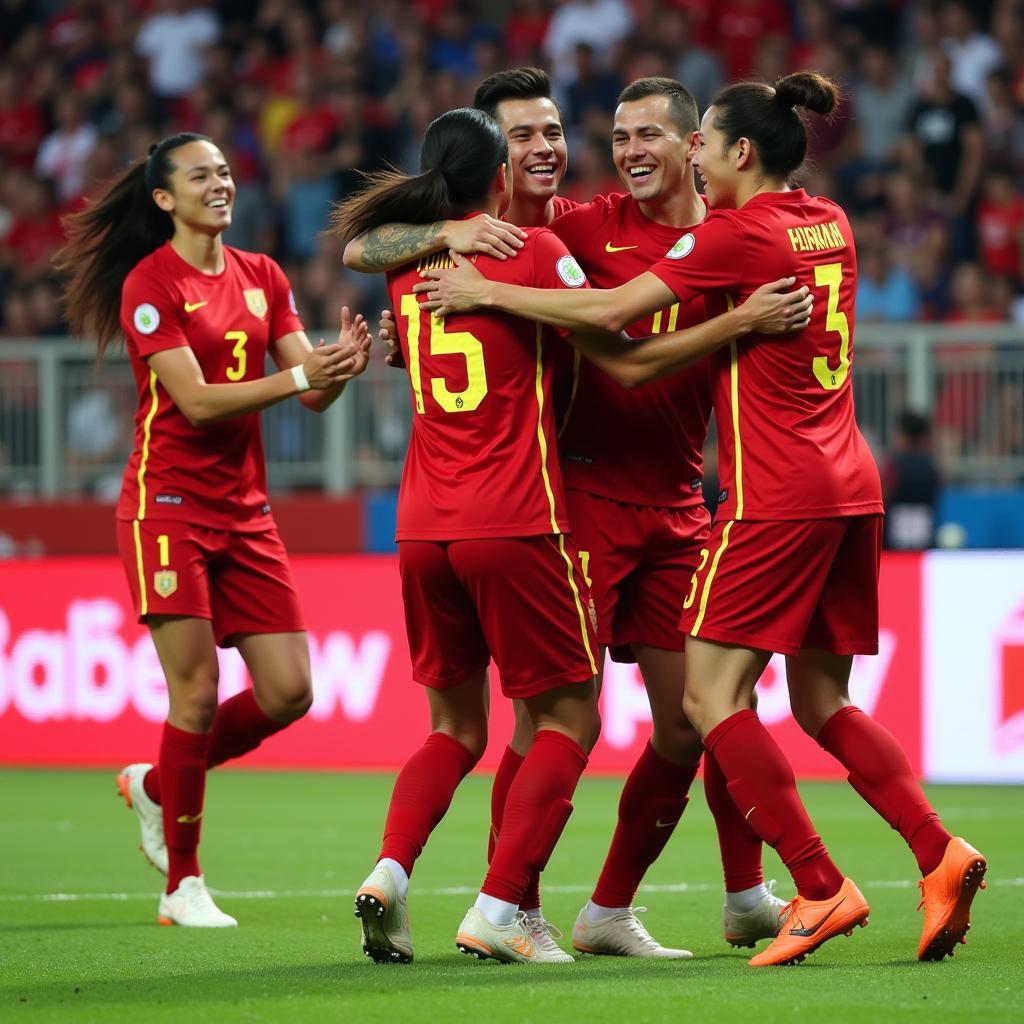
80 683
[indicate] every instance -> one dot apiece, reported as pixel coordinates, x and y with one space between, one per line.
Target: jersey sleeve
709 259
554 267
284 316
150 318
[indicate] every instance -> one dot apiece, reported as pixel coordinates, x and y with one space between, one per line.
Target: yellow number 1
444 343
831 274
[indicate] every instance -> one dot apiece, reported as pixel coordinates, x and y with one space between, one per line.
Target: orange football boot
946 895
809 923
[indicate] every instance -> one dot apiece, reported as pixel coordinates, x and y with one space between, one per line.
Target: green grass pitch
79 939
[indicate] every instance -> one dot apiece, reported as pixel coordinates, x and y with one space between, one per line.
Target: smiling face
649 149
201 189
717 163
536 146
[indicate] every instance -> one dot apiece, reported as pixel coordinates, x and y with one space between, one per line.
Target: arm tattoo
391 245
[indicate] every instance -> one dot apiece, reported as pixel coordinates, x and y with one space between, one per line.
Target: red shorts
521 601
638 561
241 582
786 586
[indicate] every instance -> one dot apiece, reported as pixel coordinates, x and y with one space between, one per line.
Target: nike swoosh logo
191 307
608 247
805 932
188 819
665 824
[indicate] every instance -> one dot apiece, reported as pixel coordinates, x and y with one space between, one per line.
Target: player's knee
294 704
195 712
694 709
677 739
473 736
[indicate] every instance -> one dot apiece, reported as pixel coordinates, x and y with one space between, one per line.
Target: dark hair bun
807 89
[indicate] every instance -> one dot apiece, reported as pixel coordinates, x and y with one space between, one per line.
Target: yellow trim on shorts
542 441
579 604
144 601
706 591
146 426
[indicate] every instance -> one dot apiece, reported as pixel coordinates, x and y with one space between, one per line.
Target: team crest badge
256 300
165 582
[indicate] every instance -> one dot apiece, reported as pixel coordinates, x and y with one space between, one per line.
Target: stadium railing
66 422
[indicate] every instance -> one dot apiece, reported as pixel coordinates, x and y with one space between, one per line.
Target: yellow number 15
444 343
831 275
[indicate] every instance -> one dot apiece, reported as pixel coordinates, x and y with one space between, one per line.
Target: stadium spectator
911 485
973 54
173 39
886 292
63 153
601 24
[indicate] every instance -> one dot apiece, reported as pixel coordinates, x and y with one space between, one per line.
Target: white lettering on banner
98 669
624 704
89 672
348 676
35 675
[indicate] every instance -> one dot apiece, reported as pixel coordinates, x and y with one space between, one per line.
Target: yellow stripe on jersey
579 604
144 606
542 441
146 426
706 592
572 394
673 317
734 374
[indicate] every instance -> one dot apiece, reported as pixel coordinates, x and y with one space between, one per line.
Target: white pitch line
461 890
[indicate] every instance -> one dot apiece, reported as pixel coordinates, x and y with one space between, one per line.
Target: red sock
183 758
422 794
881 774
238 727
537 808
652 802
740 845
509 764
761 784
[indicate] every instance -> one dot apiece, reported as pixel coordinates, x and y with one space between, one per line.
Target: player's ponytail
109 237
462 150
767 116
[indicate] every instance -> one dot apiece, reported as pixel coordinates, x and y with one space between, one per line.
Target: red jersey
641 447
482 460
560 206
789 446
211 476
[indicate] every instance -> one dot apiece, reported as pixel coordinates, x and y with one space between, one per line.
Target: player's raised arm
769 310
393 245
590 309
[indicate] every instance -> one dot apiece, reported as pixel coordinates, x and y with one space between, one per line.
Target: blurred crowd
926 153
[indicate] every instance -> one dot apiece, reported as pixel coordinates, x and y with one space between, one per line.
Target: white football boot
191 906
544 934
621 935
763 922
384 915
510 943
151 821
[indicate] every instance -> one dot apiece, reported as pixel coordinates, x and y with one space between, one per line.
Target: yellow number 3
237 372
831 274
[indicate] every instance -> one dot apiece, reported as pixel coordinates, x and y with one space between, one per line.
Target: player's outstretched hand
328 365
485 234
452 291
772 309
387 331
